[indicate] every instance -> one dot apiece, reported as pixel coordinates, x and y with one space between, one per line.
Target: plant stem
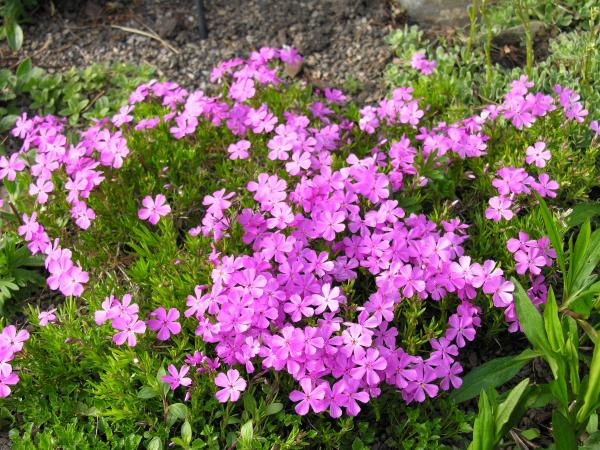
472 19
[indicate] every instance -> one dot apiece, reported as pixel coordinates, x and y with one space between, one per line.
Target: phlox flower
367 366
12 339
329 298
232 385
537 154
309 397
154 209
545 186
9 167
239 150
46 317
129 326
176 377
41 188
7 379
165 323
420 62
499 209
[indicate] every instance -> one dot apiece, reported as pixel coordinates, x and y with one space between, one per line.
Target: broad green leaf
186 432
507 407
581 213
564 437
247 432
249 403
273 408
147 392
155 444
555 236
14 35
493 373
592 392
533 324
484 430
530 434
552 323
24 68
175 412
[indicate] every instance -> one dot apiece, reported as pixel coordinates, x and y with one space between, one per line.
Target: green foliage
12 12
91 92
18 269
555 336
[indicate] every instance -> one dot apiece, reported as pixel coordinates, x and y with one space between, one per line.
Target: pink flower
10 167
537 154
13 340
154 208
329 298
129 326
499 209
239 150
545 187
420 62
232 385
7 379
177 378
368 365
308 398
46 317
165 323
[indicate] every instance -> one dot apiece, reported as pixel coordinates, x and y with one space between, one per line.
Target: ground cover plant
315 244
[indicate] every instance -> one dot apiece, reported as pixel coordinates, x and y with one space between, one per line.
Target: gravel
340 39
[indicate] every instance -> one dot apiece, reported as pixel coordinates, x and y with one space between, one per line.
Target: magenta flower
154 209
129 326
10 167
46 317
13 340
7 379
329 298
537 154
239 150
367 366
165 323
545 186
232 385
499 209
176 377
308 398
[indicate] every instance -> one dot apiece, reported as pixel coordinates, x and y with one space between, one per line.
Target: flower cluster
422 64
11 342
325 220
531 256
514 181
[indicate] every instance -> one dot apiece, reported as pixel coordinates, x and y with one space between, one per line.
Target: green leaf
247 433
24 68
552 323
592 425
273 408
147 392
553 233
14 35
592 392
530 434
564 437
249 403
178 410
186 432
493 373
581 213
533 324
508 406
155 444
484 432
580 252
